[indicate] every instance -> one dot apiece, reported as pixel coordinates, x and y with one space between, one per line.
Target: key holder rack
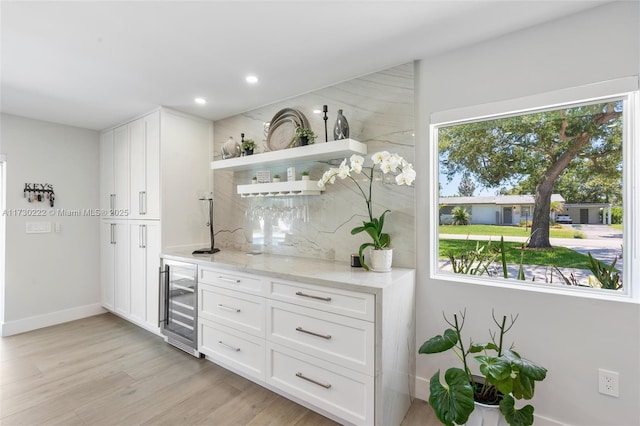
39 192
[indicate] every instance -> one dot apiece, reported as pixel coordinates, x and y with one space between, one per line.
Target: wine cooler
178 310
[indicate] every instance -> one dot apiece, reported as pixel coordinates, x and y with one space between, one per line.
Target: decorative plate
282 128
282 134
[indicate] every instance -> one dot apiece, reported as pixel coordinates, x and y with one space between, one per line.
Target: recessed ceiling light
200 101
316 111
251 79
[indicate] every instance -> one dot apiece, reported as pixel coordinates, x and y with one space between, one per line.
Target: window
522 165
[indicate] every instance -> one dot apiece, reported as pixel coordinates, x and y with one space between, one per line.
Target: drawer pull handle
313 333
315 382
326 299
228 308
229 280
228 346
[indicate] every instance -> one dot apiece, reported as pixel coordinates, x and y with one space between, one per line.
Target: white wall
53 277
571 336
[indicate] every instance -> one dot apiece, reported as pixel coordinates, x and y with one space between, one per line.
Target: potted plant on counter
380 254
504 377
276 178
248 145
305 175
305 136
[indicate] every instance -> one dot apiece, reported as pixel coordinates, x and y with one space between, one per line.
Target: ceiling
96 64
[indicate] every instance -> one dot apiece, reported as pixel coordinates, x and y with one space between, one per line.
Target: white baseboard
40 321
422 392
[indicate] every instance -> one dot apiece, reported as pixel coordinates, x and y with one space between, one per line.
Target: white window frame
626 88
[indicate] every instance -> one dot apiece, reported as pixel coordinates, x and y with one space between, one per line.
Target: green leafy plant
608 276
305 173
276 176
305 132
248 144
505 375
460 216
388 163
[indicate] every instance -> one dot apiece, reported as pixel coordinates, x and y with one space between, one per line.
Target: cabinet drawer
231 280
343 302
232 348
348 342
241 311
342 392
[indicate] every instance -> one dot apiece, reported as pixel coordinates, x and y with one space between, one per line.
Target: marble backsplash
380 110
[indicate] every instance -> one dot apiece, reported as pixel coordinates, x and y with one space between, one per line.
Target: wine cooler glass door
180 300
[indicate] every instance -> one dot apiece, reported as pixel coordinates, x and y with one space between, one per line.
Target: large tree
532 151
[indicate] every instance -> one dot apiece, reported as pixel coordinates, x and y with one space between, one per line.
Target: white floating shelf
322 151
280 189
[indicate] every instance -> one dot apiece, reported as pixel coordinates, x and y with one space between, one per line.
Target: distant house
493 210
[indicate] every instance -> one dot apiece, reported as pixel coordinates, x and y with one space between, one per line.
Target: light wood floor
103 370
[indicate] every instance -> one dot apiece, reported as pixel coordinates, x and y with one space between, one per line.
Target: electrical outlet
608 382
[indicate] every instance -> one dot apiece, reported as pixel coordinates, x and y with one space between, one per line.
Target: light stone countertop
313 271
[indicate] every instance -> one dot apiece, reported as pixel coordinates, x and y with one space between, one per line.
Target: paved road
604 243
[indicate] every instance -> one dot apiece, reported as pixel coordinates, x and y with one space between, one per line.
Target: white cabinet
137 161
114 265
342 352
144 149
130 169
144 246
107 176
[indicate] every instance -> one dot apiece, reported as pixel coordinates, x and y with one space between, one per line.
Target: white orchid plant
388 163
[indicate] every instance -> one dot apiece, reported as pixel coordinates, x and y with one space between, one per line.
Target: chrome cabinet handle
313 333
142 202
227 308
228 346
112 203
142 236
113 234
229 280
311 296
315 382
162 284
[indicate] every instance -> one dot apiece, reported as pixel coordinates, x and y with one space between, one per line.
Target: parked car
564 218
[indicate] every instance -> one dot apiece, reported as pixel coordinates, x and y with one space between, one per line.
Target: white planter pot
305 177
486 415
380 260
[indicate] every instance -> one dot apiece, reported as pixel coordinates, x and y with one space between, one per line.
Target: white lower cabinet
129 270
347 394
232 348
144 249
314 344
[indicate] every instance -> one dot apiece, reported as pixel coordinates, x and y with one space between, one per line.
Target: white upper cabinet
120 201
107 178
130 169
144 149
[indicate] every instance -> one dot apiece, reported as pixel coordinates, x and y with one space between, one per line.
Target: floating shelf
280 189
322 151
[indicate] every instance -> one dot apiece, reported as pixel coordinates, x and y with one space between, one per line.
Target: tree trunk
540 220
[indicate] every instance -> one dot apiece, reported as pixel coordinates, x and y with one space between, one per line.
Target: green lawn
496 230
617 226
558 256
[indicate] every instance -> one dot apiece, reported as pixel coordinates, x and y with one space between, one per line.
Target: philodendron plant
505 376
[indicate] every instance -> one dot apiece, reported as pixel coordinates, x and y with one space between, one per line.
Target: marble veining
379 108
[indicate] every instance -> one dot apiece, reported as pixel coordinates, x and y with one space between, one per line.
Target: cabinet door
122 299
137 184
151 197
121 170
144 150
107 182
144 245
107 265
